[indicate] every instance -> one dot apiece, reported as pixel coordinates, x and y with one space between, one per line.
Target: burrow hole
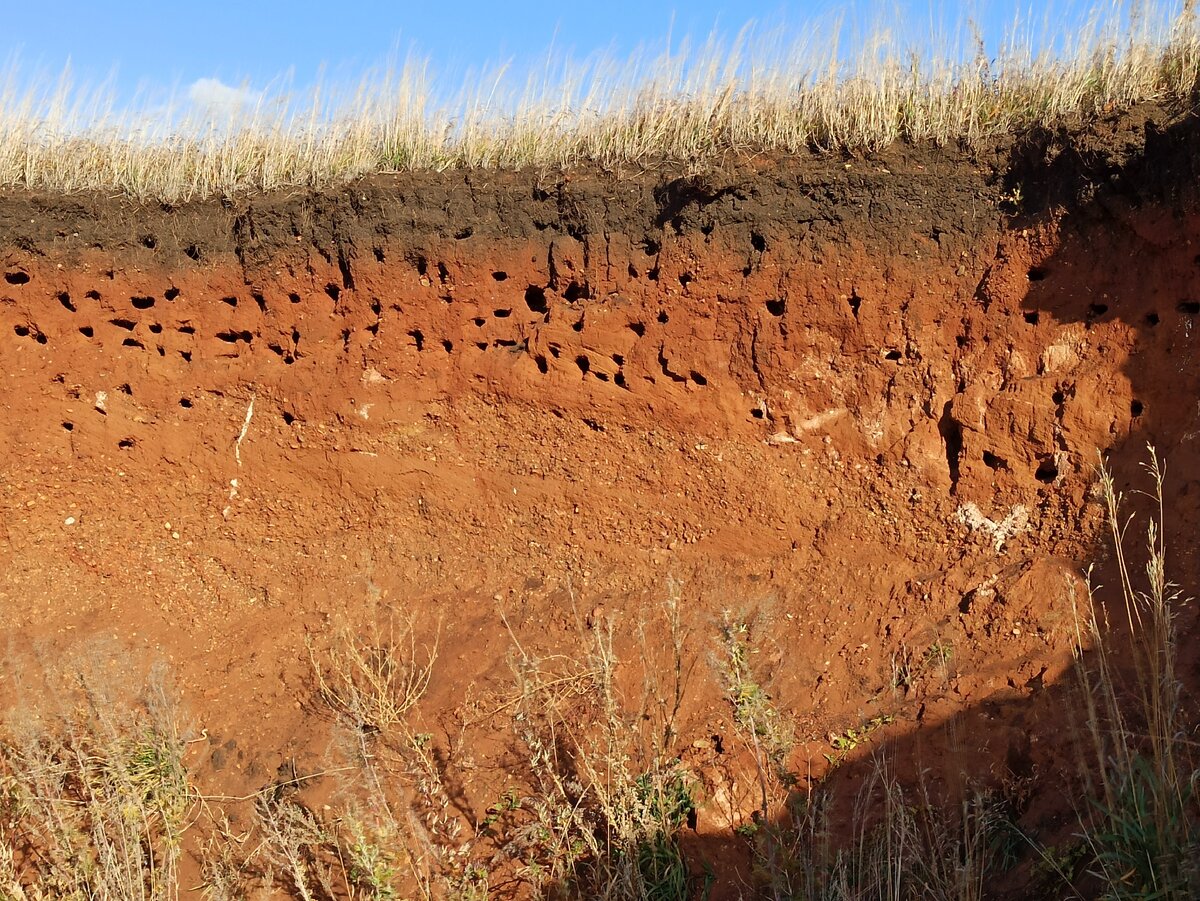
583 363
418 338
500 276
1152 319
776 307
1189 307
185 402
994 462
1032 317
1136 408
65 299
1047 471
17 277
170 293
1036 274
141 303
535 299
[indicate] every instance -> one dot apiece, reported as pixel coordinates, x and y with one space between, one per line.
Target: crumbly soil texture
855 403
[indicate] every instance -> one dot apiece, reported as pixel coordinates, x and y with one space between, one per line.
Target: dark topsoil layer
1147 154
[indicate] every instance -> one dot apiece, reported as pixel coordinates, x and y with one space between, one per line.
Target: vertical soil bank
856 402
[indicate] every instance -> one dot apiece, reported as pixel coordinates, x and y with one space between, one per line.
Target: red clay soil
854 401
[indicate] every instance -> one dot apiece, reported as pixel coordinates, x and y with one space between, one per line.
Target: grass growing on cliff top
756 93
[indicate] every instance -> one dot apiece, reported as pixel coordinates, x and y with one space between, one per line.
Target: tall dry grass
757 92
1142 826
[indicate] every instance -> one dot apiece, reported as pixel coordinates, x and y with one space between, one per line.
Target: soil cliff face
858 401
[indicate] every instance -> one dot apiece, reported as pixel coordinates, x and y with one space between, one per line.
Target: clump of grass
608 797
397 832
754 94
1144 825
906 844
374 683
94 804
766 729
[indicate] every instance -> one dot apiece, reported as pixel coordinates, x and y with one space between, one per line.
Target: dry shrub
608 796
94 802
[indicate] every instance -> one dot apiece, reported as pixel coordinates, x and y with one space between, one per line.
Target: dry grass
757 93
94 804
1143 828
373 683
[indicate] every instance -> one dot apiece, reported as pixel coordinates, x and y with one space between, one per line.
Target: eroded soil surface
856 403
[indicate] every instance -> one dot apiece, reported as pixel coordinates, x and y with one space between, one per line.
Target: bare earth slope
856 401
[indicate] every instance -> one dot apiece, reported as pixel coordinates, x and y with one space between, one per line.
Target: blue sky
160 45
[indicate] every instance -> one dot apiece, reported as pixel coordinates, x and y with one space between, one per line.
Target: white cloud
217 97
